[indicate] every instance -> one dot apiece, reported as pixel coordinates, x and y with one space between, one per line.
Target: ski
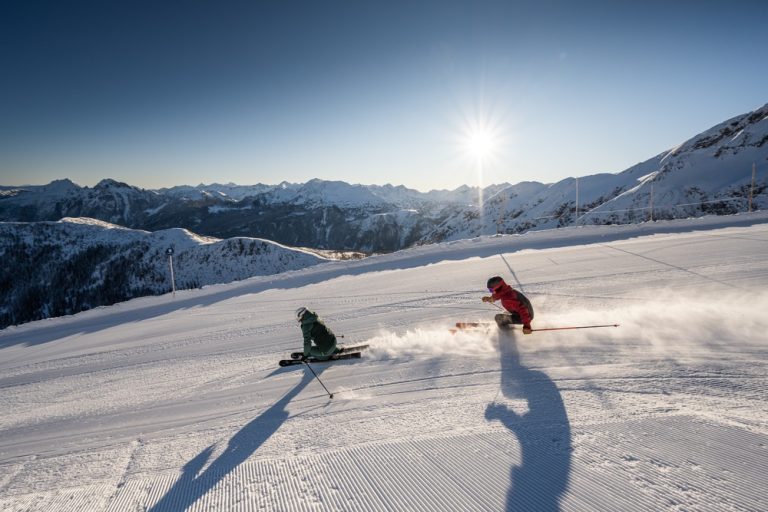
335 357
573 327
460 326
342 350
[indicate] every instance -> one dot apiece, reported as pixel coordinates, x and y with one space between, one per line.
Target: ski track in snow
186 409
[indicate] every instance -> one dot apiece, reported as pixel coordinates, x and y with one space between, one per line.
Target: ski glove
488 298
527 329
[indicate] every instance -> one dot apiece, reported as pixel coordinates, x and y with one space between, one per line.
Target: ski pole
496 305
574 327
330 395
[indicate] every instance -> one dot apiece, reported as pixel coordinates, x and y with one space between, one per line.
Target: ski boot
504 322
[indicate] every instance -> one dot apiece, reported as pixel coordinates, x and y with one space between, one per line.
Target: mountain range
68 248
709 173
320 214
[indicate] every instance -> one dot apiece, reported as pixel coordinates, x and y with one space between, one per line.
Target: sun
481 140
480 143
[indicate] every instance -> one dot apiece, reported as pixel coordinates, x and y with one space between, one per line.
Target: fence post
576 220
169 252
651 201
752 189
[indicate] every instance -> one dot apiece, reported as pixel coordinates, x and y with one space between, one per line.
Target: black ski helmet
494 282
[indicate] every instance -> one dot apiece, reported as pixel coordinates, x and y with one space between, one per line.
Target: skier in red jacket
519 309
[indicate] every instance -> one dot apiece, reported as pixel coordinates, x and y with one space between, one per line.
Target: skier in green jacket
315 330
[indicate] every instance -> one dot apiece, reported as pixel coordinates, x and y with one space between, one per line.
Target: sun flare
480 143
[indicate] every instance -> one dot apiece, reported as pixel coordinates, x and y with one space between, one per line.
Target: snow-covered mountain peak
62 185
746 130
337 192
180 237
87 221
109 183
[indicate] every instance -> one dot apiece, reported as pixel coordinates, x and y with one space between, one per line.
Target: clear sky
159 93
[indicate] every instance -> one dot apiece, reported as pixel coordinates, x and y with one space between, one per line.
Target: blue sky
159 93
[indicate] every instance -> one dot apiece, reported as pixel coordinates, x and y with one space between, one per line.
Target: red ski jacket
514 302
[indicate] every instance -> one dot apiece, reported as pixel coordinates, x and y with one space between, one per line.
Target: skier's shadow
543 433
193 485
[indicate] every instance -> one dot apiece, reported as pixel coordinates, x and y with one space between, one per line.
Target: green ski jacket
315 330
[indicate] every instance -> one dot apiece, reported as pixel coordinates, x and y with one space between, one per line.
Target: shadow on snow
543 433
193 485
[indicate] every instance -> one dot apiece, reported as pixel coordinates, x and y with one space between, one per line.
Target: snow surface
169 404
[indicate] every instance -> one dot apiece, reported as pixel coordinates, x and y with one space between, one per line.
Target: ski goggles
495 289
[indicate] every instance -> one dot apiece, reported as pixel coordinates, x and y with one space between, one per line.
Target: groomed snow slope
169 404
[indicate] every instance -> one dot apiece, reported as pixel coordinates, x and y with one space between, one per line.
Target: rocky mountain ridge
63 267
